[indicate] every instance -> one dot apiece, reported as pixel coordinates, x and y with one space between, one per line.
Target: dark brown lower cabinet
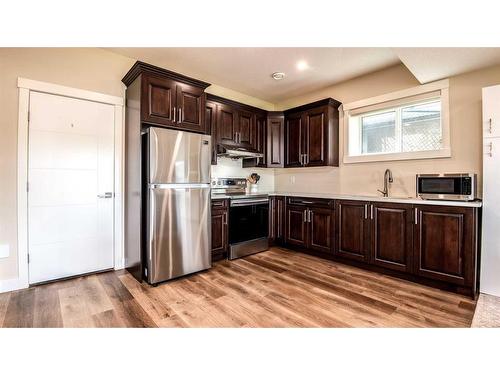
433 244
353 237
392 236
220 239
445 244
320 229
296 225
276 217
309 227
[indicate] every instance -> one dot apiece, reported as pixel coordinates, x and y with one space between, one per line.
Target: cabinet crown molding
235 104
141 67
319 103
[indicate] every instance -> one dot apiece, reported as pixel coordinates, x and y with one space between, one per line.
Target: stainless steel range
248 216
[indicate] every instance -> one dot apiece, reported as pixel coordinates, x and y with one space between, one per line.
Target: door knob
105 195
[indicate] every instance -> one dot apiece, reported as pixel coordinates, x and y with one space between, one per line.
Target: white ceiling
430 64
248 70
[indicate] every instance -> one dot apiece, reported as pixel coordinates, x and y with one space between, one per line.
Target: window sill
443 153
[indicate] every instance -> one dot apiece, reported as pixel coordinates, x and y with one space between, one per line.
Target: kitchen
210 182
360 204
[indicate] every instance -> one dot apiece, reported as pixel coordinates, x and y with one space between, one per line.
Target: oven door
248 220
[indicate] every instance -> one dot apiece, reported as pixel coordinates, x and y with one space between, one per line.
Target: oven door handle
248 202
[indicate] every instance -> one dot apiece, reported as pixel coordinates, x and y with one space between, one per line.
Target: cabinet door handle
304 216
175 112
490 152
371 211
416 216
366 211
306 157
310 213
180 115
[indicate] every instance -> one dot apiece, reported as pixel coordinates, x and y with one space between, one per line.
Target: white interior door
71 164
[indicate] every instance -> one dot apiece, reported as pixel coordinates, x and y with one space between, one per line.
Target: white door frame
25 87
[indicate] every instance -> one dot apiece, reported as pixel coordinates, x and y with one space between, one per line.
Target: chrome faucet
387 180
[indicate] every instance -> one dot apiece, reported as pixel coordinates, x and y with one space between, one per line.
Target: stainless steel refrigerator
178 204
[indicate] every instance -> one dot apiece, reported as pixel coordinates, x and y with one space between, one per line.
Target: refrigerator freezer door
178 231
178 157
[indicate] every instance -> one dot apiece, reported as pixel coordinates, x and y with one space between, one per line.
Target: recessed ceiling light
302 65
278 76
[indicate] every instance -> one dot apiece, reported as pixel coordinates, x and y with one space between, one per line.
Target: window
406 127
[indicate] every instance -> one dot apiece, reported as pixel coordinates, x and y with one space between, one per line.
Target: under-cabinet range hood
237 153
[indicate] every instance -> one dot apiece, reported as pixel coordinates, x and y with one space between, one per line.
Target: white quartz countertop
408 200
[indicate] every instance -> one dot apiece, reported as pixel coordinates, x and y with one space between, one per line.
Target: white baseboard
12 284
119 265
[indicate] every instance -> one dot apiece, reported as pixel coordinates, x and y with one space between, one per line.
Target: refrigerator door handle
179 186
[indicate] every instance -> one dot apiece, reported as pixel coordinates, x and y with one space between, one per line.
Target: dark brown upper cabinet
261 128
261 143
246 130
210 122
312 135
169 99
190 108
445 244
226 128
392 235
239 126
275 139
294 155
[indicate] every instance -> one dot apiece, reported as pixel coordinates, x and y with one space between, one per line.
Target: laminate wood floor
276 288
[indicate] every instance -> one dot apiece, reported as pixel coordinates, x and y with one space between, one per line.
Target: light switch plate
4 251
292 179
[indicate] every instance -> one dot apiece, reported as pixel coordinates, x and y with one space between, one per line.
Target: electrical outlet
4 251
292 179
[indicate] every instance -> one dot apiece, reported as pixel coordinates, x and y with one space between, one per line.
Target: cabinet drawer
312 202
219 203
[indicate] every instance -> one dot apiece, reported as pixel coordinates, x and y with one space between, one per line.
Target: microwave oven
447 186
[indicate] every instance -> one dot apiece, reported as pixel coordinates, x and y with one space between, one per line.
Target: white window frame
406 97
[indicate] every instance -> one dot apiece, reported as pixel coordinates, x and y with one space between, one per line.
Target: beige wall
366 178
84 68
233 168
